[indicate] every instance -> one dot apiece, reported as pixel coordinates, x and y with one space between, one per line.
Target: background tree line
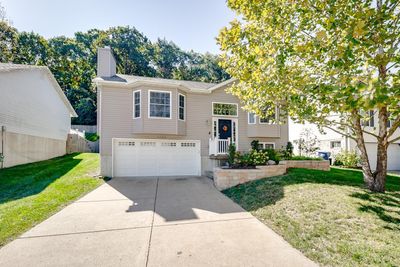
73 60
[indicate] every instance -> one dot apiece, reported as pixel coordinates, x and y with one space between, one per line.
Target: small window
181 110
368 122
159 104
225 109
136 104
336 144
269 119
266 145
252 118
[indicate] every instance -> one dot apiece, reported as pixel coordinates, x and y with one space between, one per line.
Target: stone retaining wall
322 165
226 178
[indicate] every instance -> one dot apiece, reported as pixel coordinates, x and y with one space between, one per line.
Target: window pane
269 146
181 109
225 109
252 118
160 104
136 104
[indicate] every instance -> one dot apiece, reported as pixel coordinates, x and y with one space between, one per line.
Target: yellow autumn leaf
321 35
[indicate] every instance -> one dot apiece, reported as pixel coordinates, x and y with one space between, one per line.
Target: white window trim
170 105
140 104
270 123
267 143
184 107
248 118
230 116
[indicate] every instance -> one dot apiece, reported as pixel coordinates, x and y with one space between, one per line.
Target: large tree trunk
375 181
379 175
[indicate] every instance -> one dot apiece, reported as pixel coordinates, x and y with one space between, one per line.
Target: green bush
273 155
259 157
305 158
242 161
348 159
287 152
254 145
93 137
231 154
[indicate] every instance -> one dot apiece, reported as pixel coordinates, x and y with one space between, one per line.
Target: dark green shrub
305 158
273 155
93 137
255 145
288 151
231 154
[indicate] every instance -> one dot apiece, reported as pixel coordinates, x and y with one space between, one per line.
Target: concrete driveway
152 222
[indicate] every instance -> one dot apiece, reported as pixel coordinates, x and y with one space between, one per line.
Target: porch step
220 156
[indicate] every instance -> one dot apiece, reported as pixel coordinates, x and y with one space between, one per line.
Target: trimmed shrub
259 157
349 159
273 155
305 158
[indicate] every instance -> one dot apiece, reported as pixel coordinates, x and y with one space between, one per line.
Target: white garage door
393 156
151 157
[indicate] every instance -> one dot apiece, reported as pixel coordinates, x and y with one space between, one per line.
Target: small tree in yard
313 59
307 143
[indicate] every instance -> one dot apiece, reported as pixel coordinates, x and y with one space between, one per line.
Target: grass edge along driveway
31 193
329 216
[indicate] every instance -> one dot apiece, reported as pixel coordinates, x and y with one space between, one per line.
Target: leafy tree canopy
73 60
313 59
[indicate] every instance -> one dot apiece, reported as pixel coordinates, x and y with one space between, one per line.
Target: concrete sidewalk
152 222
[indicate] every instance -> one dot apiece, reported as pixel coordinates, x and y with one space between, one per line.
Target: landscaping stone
225 178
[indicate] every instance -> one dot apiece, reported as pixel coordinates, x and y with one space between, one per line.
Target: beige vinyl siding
116 116
117 119
159 125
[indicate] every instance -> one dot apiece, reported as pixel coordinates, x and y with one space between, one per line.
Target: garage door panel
393 156
138 157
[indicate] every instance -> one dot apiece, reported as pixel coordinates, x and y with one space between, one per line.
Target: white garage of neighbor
393 156
155 157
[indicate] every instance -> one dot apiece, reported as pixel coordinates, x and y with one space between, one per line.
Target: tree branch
339 132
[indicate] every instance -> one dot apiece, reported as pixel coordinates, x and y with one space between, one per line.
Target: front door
225 129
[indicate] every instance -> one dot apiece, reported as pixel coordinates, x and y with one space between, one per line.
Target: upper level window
225 109
368 122
136 104
159 104
252 118
269 119
181 108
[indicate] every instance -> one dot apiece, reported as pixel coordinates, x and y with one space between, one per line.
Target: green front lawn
31 193
329 216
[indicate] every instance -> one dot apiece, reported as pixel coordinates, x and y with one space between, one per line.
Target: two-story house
163 127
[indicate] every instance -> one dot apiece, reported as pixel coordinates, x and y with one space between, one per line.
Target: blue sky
191 24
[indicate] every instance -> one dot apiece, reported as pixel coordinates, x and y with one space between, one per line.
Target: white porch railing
219 146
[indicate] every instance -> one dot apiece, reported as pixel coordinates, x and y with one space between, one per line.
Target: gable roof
8 67
135 81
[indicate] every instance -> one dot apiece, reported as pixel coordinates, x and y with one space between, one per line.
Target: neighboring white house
35 115
333 142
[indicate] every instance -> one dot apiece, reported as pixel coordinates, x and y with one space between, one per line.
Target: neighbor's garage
151 157
393 156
